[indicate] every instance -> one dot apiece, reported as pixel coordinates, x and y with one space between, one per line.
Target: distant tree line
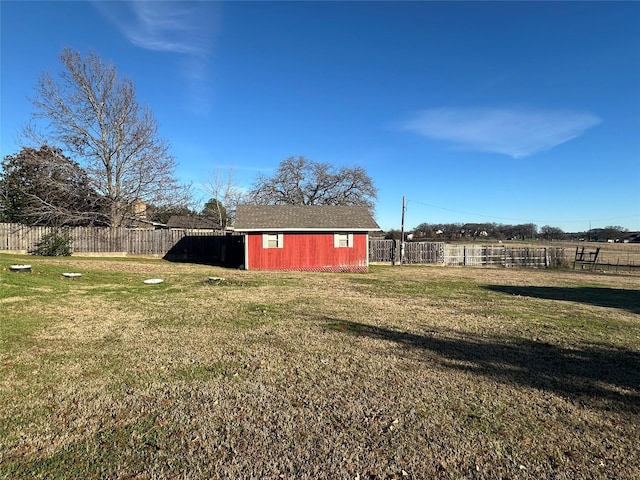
496 231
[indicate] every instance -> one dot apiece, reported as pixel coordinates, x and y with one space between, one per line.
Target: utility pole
402 232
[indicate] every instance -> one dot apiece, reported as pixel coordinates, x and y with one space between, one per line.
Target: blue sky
505 112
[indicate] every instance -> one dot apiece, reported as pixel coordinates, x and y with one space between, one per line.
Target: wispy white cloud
517 132
184 28
165 26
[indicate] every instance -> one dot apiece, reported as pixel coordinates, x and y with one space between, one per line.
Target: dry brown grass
406 372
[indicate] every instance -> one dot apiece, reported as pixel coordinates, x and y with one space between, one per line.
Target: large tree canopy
300 181
44 187
215 209
95 116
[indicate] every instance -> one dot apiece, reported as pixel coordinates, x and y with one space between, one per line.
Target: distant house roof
193 222
303 217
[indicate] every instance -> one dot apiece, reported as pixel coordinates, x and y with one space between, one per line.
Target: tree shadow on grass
600 296
595 375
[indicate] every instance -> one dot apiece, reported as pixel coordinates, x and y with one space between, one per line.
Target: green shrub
54 244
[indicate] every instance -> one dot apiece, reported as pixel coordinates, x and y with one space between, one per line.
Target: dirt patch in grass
409 372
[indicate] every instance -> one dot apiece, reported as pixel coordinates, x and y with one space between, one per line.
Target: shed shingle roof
303 217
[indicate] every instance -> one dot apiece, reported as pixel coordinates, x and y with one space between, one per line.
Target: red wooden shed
312 238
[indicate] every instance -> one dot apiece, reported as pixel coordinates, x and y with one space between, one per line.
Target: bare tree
300 181
226 197
94 114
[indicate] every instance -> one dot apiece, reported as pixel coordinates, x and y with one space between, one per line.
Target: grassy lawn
403 372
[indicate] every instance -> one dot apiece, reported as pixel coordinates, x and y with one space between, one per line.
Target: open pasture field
613 257
403 372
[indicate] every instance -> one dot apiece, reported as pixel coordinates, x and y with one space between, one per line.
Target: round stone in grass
71 275
20 268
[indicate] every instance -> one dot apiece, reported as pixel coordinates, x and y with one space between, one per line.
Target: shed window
272 240
343 240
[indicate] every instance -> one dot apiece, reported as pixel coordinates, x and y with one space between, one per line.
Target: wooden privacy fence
173 244
388 251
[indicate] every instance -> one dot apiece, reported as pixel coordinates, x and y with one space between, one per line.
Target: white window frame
343 240
268 239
